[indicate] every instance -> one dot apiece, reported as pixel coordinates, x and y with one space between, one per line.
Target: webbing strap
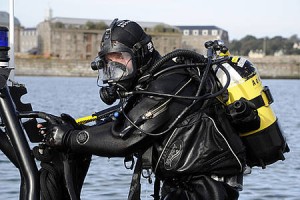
147 159
144 161
259 101
156 189
135 187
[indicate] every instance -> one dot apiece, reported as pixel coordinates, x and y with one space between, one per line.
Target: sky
259 18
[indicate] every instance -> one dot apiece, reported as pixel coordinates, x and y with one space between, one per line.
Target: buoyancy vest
203 142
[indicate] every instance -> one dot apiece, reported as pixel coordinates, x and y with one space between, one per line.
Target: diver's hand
56 135
56 131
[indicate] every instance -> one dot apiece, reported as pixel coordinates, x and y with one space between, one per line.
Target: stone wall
278 66
268 67
53 67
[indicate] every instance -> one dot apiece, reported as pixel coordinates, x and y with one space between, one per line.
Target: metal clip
268 94
127 160
147 175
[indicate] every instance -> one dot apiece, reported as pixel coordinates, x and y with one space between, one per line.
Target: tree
235 47
159 28
249 43
269 46
59 25
162 28
101 25
90 25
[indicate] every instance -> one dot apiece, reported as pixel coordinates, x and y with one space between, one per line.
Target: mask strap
107 34
143 45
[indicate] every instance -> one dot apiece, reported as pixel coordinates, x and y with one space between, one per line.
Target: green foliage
90 25
163 29
269 46
99 25
59 25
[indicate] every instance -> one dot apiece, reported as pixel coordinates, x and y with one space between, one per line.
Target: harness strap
259 100
156 189
144 162
135 187
147 159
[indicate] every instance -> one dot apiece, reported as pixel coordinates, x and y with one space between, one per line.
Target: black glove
56 134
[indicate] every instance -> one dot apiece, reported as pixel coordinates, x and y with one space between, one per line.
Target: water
108 179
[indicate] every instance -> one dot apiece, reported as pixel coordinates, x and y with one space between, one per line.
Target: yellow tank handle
86 119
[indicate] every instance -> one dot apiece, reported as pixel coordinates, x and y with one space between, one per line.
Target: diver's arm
104 140
99 140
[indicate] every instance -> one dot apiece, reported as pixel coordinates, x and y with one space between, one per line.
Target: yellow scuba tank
266 144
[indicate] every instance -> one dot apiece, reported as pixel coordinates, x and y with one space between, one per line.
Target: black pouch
198 146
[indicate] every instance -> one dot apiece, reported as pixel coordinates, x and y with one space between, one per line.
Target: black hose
176 53
52 119
196 98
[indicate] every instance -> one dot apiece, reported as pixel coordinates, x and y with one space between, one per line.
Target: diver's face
120 57
118 66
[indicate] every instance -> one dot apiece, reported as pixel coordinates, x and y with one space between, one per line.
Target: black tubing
176 53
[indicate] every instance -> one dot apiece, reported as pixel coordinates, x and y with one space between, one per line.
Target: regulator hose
176 53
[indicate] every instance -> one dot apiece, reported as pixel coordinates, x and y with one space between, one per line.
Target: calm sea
107 179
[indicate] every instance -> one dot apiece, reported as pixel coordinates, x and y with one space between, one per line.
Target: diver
187 143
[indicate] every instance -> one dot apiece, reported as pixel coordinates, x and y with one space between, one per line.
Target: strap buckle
127 161
146 173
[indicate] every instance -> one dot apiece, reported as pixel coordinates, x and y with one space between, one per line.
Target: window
87 37
88 48
186 32
214 32
195 32
204 32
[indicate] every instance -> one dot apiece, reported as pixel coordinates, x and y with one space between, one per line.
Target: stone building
68 38
74 38
28 40
194 37
4 21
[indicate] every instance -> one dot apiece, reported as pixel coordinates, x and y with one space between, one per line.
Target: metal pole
15 131
12 40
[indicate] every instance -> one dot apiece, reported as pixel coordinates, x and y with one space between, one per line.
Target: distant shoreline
270 67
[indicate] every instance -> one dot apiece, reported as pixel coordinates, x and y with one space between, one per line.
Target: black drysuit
195 158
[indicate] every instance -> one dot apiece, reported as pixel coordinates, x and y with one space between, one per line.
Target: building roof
208 27
4 19
29 29
76 21
82 21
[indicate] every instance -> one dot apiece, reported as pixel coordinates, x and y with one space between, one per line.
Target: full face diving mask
114 66
117 66
116 69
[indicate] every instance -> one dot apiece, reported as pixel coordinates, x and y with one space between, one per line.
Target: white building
194 37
